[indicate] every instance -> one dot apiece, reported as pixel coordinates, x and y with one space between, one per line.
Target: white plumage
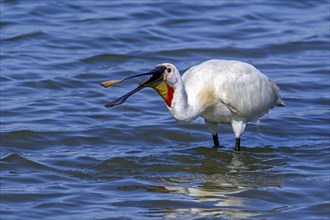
220 91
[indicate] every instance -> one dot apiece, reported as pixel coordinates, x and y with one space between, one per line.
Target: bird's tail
280 103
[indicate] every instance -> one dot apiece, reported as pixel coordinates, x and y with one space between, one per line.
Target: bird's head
171 74
163 79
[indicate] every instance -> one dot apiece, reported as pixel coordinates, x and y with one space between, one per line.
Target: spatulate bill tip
106 84
113 104
109 106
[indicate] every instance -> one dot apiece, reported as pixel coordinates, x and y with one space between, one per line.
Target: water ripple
65 156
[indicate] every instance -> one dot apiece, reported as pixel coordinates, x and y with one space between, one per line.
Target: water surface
65 156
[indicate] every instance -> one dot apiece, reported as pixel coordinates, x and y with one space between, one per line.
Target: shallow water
65 156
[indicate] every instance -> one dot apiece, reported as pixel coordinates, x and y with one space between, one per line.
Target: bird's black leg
238 144
216 140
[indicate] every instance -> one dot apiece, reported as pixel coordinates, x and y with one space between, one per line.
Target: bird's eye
169 70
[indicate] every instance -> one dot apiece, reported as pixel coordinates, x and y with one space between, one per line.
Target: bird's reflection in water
213 195
215 201
237 163
218 194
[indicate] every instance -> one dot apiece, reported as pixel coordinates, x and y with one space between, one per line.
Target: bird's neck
180 108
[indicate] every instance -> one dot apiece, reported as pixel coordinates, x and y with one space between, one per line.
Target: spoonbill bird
220 91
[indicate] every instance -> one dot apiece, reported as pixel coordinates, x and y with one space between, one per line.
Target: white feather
222 91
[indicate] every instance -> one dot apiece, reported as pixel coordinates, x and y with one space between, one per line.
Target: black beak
157 75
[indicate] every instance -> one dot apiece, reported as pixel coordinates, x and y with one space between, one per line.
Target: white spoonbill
220 91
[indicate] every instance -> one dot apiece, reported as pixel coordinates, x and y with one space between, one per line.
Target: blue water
65 156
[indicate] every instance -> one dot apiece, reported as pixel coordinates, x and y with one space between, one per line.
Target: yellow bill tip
110 83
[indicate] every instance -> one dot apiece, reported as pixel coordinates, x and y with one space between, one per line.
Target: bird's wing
238 85
246 91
